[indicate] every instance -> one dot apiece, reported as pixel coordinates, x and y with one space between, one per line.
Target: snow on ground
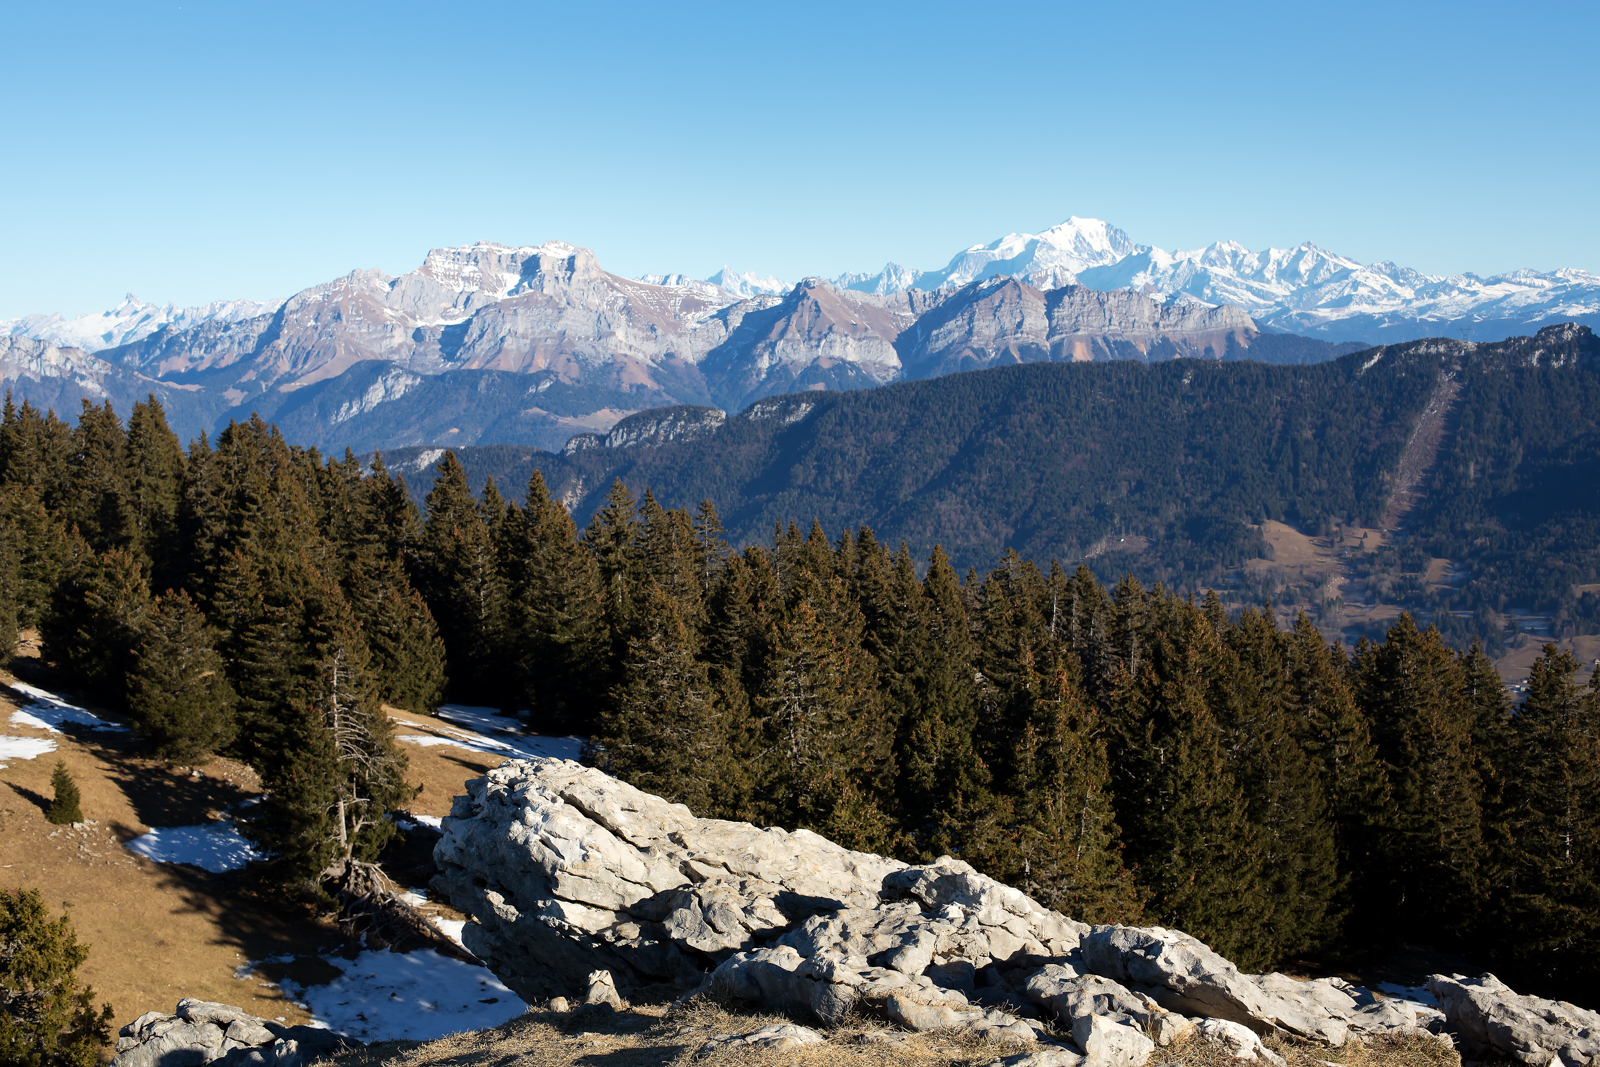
214 846
24 748
495 734
417 996
46 711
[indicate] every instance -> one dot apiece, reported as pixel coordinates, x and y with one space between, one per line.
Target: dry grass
159 932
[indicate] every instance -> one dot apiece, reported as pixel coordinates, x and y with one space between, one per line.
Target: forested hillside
1121 753
1160 469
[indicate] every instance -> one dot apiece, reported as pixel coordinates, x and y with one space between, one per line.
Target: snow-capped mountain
748 283
132 320
1304 289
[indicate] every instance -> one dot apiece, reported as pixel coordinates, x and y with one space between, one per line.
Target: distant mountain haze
533 345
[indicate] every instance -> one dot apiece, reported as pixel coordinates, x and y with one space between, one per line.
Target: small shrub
45 1019
65 807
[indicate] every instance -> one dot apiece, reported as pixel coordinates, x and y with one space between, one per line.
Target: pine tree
1549 911
1412 689
1300 857
36 451
462 584
942 781
154 487
178 690
33 547
553 614
95 620
65 808
669 729
1067 850
97 501
408 655
46 1020
1337 738
341 776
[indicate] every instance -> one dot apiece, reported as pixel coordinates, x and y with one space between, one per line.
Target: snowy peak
748 284
132 320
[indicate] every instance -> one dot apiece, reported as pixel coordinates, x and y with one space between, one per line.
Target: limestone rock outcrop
568 871
201 1031
1492 1020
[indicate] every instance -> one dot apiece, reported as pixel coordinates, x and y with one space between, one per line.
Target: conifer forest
1119 752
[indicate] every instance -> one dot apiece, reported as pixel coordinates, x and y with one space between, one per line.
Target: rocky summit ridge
584 888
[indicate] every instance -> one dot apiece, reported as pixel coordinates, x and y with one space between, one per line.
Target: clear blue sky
211 150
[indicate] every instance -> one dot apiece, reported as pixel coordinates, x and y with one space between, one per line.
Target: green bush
45 1019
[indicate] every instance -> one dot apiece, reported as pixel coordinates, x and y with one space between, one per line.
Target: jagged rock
205 1032
778 1036
1185 976
1048 1057
602 990
1241 1042
1111 1041
1491 1017
570 873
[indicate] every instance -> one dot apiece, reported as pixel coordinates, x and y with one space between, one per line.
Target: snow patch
487 721
46 711
214 847
413 996
24 747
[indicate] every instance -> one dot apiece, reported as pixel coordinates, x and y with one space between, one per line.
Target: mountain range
535 345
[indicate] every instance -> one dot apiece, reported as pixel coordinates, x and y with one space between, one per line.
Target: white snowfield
415 996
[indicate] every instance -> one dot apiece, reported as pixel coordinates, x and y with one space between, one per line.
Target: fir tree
178 691
1413 691
154 486
462 584
33 545
1550 909
1067 851
97 501
95 620
65 808
408 655
46 1019
668 728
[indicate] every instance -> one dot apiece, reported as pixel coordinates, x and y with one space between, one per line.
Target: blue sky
212 150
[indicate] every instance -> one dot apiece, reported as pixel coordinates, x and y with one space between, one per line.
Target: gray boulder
1492 1019
778 1037
205 1032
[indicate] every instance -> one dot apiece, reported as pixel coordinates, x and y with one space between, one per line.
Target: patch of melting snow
1423 1002
214 847
416 996
487 722
46 711
24 748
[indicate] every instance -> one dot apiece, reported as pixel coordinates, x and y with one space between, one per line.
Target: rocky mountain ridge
488 343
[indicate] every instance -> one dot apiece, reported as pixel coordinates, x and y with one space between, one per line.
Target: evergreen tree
65 808
46 1020
154 487
178 690
1337 739
1067 852
1413 691
328 800
823 734
408 655
31 551
97 499
36 451
95 620
1550 910
553 614
942 781
669 729
1300 856
462 584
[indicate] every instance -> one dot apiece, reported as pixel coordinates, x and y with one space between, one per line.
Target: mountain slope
1162 469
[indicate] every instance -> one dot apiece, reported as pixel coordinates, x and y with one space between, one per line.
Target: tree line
1122 753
